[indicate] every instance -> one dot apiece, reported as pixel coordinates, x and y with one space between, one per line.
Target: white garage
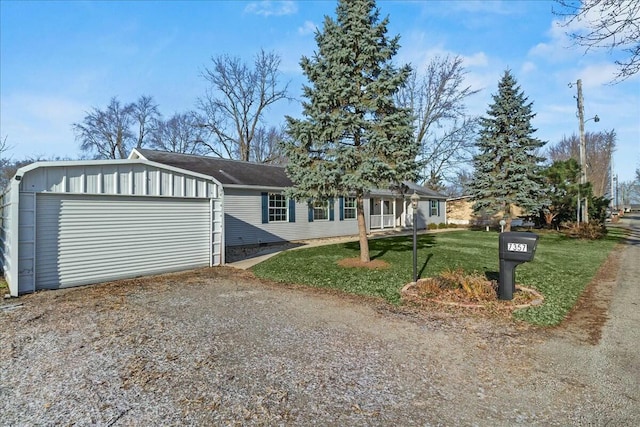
75 223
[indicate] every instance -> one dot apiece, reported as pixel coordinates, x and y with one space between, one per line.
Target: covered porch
389 213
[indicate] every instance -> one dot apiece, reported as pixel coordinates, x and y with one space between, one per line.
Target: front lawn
560 271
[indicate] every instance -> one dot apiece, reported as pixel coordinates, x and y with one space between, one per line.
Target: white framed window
320 210
434 208
277 207
349 209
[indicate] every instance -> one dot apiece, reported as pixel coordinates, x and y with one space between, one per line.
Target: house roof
234 172
453 199
237 172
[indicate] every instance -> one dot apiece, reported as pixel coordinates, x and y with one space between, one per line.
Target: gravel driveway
218 347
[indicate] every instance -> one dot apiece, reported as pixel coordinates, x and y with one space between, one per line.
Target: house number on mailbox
517 247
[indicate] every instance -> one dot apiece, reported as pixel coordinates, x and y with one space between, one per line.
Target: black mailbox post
515 248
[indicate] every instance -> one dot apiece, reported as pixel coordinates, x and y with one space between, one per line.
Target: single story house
256 212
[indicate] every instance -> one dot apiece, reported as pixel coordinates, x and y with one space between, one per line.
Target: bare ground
218 347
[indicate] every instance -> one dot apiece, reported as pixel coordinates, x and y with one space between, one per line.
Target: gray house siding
244 223
431 216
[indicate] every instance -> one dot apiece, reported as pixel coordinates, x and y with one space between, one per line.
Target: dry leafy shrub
583 230
432 226
458 285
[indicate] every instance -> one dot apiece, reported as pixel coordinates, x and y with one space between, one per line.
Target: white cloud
596 75
476 60
45 107
43 124
271 8
528 67
419 48
307 28
420 59
485 7
559 47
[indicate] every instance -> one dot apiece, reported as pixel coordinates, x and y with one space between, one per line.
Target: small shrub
462 286
442 225
432 226
452 225
583 230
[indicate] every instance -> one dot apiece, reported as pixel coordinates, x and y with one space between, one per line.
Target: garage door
87 239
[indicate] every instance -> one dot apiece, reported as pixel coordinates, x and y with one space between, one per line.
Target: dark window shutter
341 207
292 210
332 215
438 207
265 208
430 201
310 212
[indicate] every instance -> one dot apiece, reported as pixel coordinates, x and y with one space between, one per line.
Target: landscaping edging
408 293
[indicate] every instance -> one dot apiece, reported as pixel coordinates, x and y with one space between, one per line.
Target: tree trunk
548 219
507 217
362 230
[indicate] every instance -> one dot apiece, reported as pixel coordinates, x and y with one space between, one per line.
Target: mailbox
514 249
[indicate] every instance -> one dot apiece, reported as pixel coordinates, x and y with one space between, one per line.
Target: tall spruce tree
353 137
507 167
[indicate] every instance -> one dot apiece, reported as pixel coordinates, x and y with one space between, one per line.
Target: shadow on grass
404 244
424 266
379 247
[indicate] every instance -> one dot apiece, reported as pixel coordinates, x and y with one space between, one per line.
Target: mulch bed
523 297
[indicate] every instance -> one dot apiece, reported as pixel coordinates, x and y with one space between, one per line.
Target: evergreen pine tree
353 137
507 171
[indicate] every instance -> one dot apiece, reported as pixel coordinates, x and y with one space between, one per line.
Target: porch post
394 212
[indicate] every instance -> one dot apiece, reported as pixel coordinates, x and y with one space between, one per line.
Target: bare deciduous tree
109 134
9 167
237 99
145 111
266 147
606 24
443 130
4 163
599 149
459 185
4 148
628 192
181 133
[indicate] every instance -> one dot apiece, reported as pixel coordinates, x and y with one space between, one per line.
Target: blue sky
60 59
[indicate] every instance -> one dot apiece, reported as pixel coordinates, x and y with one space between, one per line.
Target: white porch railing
382 221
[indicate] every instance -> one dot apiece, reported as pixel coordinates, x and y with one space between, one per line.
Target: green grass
560 271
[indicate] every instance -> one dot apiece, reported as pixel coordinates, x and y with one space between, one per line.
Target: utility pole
584 203
617 206
612 205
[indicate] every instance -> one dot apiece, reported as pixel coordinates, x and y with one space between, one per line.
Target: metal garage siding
91 238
